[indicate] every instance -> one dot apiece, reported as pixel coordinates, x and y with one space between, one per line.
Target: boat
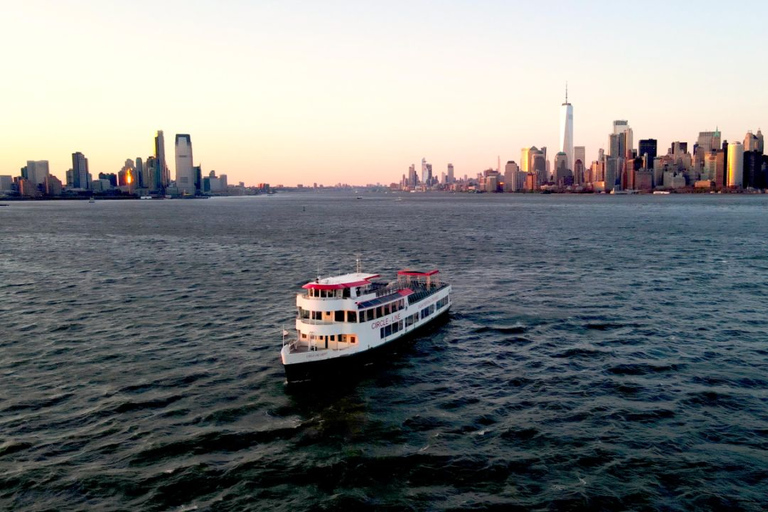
351 318
146 197
92 200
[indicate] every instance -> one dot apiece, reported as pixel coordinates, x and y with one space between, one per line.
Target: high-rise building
566 131
760 142
648 147
539 166
525 159
709 140
562 173
140 174
424 175
37 171
721 169
621 140
185 169
750 141
753 170
735 176
162 177
80 175
511 179
451 177
579 153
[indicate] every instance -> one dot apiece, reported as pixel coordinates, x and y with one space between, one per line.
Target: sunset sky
289 92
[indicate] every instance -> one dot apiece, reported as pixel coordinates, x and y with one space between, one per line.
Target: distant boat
146 197
92 200
661 192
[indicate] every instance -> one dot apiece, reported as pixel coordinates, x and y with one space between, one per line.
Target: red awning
336 286
416 273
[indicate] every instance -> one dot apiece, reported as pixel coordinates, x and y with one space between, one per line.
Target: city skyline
356 93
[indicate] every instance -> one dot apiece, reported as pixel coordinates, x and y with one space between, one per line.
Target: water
602 353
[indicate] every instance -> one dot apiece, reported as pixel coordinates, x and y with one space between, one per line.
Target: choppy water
602 353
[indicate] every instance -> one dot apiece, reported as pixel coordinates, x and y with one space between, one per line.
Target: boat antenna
358 263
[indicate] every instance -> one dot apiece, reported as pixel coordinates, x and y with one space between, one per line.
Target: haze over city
299 92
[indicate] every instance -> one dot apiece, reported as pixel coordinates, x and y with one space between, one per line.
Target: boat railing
421 292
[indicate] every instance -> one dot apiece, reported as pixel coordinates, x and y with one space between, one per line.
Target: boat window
338 316
351 316
379 312
352 340
317 315
345 293
387 330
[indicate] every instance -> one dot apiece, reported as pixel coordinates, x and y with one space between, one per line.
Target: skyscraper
648 147
735 164
161 167
709 140
579 153
37 171
566 130
185 171
451 177
525 159
80 175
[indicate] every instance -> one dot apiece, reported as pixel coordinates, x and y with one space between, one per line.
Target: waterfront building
562 173
451 177
709 172
36 172
511 180
578 172
6 183
412 176
185 169
644 180
721 171
140 174
753 170
539 166
525 159
53 186
579 153
735 176
612 172
162 177
81 178
566 132
647 148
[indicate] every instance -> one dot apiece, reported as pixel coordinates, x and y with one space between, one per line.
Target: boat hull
354 364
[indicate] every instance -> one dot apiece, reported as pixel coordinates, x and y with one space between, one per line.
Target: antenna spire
566 92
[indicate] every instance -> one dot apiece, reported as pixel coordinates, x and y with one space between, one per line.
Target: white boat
350 318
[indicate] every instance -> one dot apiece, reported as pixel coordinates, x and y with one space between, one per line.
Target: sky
297 92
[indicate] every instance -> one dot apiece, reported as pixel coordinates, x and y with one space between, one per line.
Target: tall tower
735 176
185 170
566 129
80 178
161 171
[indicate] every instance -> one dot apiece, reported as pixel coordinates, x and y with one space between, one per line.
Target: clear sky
289 92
